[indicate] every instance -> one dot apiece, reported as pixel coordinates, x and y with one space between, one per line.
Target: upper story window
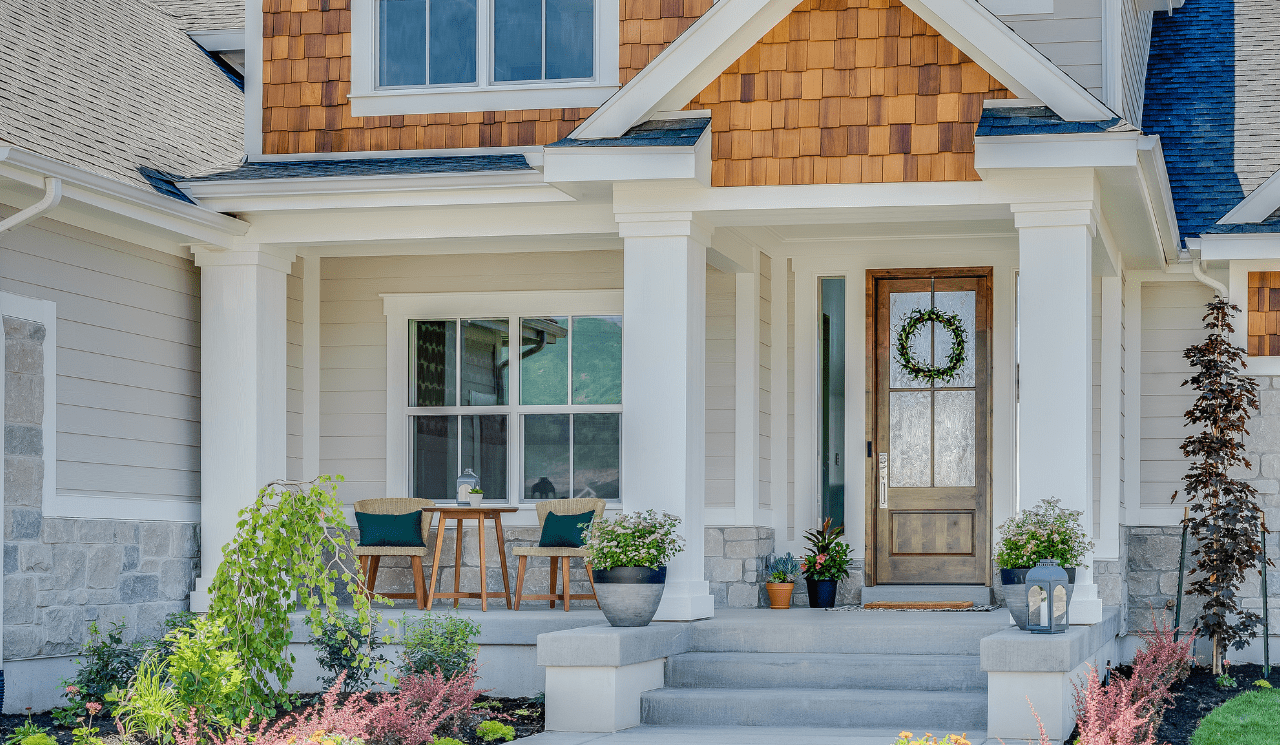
452 56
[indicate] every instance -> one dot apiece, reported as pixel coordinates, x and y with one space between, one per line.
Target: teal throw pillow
390 530
565 531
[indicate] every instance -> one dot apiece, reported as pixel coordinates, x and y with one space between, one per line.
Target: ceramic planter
475 500
629 596
1016 598
779 594
822 592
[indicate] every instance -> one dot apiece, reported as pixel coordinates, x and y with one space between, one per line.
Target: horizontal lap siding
353 337
127 362
1171 313
847 91
721 387
1071 37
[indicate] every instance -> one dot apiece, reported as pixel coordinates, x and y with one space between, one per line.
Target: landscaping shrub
495 731
345 645
207 676
106 662
442 644
327 723
423 704
149 707
1251 717
42 738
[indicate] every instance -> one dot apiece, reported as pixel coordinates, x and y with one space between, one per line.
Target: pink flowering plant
1045 531
637 539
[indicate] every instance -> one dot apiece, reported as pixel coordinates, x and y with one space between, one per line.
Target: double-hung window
530 403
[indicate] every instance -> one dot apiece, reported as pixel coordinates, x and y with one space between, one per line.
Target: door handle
884 480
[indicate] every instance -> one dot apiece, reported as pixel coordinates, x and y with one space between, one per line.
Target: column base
200 597
686 601
1086 606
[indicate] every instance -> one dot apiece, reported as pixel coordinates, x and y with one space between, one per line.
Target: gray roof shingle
113 87
204 15
668 132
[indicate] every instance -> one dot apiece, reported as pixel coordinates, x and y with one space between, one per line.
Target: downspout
52 195
1218 288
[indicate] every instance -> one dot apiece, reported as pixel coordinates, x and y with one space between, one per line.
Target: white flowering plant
1045 531
637 539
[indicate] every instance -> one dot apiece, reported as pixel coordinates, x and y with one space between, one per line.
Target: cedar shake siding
847 91
307 75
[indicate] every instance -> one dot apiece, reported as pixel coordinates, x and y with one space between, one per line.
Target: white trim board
1258 206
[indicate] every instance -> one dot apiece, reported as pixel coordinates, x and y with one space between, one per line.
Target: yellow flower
904 734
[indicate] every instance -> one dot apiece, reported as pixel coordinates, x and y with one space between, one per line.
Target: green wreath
949 321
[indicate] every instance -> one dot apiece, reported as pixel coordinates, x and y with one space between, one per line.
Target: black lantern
1047 598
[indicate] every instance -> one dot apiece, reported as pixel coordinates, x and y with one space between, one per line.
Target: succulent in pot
826 563
475 497
1046 531
629 555
781 582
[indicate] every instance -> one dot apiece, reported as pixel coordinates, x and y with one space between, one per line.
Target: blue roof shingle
1035 120
367 167
669 132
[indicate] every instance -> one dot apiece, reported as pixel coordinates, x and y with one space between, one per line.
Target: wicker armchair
559 556
370 556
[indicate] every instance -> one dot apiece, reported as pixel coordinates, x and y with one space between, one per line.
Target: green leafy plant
448 741
495 731
150 706
207 676
1226 681
25 730
106 661
42 738
443 644
783 568
1224 512
344 645
1262 684
292 543
637 539
86 733
1045 531
828 556
477 490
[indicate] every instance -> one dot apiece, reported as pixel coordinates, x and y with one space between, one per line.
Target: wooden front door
929 475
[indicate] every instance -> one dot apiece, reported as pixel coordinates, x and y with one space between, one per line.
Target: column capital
244 254
663 225
1056 215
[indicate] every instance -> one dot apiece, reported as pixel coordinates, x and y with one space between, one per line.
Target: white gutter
1218 288
52 195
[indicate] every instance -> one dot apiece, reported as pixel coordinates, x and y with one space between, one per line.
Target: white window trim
368 100
400 308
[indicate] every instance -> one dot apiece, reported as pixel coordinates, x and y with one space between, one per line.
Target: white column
746 477
664 282
1112 435
1055 317
242 390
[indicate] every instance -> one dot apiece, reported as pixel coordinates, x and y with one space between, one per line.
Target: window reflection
544 361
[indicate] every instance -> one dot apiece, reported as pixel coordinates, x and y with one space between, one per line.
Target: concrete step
847 632
814 707
977 594
792 670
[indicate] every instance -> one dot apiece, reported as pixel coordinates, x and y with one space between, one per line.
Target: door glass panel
484 451
484 362
909 462
955 441
832 331
597 360
596 448
435 457
963 305
434 367
544 363
546 456
900 306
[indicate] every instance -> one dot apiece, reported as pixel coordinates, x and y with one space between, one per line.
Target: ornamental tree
1224 514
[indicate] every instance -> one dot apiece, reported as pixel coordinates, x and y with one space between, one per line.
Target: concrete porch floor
651 735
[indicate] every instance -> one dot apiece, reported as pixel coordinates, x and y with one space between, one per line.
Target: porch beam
242 390
664 391
1055 439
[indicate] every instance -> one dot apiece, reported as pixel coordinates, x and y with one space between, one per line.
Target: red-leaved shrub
327 721
423 704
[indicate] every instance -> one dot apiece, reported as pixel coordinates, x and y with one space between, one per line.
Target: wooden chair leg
457 559
551 588
373 572
435 564
593 584
419 590
524 560
564 570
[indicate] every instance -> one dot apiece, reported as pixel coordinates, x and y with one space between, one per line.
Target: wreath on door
949 322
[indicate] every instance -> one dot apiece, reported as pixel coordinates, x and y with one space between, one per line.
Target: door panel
929 518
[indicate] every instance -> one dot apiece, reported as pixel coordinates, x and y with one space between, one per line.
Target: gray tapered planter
629 596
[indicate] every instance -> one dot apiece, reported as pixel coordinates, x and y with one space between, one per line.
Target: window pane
546 456
434 370
484 451
597 360
517 40
570 39
484 362
453 41
402 42
435 457
544 364
596 444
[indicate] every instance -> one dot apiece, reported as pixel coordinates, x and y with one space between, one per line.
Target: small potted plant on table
1045 531
783 571
825 565
629 555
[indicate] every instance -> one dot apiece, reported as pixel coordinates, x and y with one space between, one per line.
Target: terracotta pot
780 594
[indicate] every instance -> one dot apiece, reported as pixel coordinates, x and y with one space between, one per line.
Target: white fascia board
147 208
1239 247
1018 7
1105 149
623 163
416 190
1258 206
532 153
1155 180
644 198
1009 58
727 30
253 98
219 40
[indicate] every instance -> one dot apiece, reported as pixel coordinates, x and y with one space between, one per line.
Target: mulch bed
529 722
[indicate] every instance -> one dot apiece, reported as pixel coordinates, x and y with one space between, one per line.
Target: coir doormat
879 607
